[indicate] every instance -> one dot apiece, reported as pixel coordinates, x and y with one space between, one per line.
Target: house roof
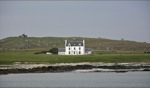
75 43
61 49
88 49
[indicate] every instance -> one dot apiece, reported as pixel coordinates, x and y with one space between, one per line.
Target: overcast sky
107 19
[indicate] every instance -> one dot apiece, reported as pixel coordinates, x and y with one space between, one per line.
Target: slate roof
75 43
88 49
61 49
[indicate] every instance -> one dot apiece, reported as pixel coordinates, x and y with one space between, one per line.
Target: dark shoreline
119 68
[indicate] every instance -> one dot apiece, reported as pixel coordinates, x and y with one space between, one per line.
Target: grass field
10 57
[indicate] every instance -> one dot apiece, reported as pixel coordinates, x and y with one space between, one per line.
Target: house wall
61 53
88 52
75 50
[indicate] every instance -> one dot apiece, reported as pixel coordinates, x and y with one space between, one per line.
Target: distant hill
45 43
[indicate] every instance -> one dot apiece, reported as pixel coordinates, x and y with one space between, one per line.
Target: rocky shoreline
74 67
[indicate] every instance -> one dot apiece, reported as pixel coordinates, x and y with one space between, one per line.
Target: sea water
76 80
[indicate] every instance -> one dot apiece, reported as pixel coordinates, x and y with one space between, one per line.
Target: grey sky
107 19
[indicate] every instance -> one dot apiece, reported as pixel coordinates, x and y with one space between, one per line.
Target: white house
74 48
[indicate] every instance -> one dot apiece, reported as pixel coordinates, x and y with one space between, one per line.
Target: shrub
54 50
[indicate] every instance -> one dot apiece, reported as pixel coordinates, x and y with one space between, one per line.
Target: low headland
17 55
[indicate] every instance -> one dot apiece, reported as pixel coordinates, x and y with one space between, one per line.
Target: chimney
65 42
83 41
83 47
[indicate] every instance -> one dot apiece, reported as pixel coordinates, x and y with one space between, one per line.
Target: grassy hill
21 50
45 43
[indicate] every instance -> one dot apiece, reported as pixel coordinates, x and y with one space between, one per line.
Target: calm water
76 80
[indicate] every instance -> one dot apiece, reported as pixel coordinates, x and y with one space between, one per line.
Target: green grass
9 57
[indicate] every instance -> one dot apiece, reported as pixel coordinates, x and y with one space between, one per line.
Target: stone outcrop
79 67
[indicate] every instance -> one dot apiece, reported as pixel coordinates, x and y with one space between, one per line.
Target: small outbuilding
61 51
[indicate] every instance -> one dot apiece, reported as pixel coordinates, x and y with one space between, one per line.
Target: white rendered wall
61 53
75 51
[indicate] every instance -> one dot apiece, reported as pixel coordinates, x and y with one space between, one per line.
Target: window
74 52
69 48
79 52
79 48
74 48
69 52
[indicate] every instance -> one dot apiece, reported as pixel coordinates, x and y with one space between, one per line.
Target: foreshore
73 67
